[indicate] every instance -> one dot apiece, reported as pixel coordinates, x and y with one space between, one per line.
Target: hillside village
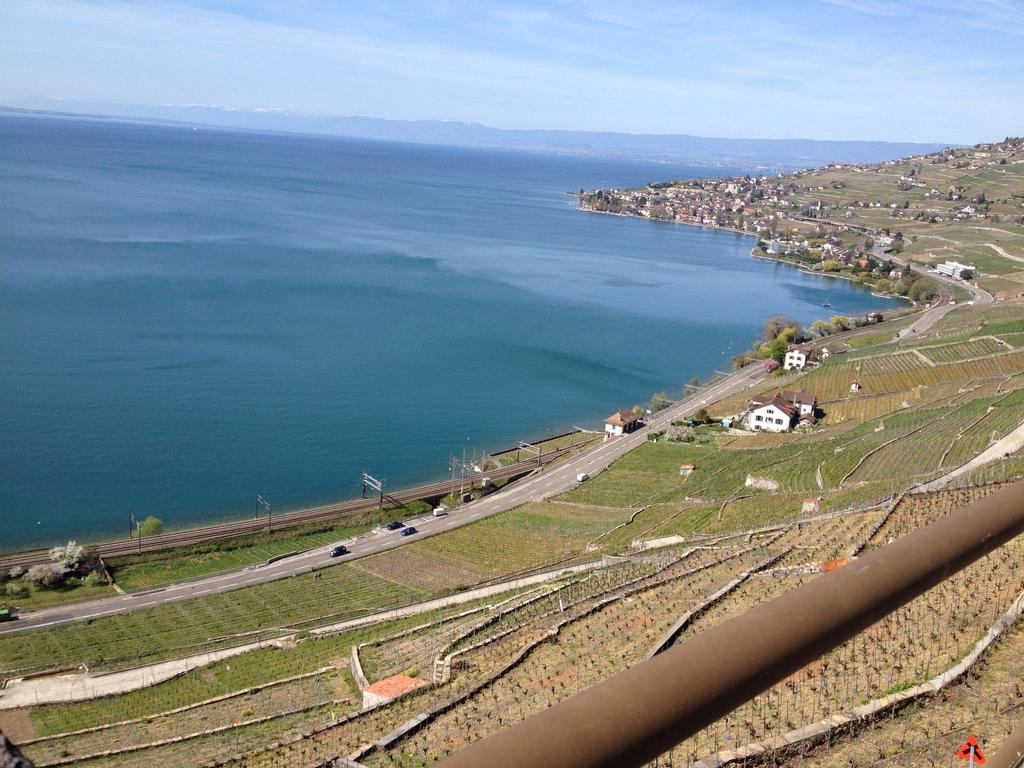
960 210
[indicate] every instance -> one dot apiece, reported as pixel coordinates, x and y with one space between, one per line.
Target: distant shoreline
753 251
663 221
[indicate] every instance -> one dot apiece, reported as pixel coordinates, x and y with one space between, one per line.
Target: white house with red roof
782 411
621 422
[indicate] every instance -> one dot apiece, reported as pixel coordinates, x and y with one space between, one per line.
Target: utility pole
261 502
528 447
138 529
369 481
463 466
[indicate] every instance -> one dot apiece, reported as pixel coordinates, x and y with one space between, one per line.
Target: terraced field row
964 350
653 603
179 628
911 645
329 691
469 668
1002 418
988 703
583 653
915 455
901 362
868 407
830 382
966 319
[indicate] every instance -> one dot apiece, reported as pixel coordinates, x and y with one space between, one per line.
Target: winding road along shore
558 479
540 485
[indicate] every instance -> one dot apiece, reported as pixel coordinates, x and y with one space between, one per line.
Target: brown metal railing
644 711
1011 752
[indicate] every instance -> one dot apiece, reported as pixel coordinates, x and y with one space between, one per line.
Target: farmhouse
798 356
621 422
780 412
804 401
771 415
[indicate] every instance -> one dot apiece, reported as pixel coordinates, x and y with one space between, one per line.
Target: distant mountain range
762 154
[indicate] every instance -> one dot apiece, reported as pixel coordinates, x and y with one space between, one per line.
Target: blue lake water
192 317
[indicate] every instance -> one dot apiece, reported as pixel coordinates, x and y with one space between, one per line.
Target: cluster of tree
150 526
70 565
837 324
779 333
602 201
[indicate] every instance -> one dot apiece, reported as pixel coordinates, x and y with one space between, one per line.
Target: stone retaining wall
669 638
179 710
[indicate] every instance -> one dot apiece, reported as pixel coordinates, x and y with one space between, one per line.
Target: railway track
342 509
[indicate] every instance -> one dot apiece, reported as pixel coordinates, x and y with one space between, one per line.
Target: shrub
48 575
68 555
16 589
151 526
93 579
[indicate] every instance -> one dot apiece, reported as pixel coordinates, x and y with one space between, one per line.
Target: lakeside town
868 223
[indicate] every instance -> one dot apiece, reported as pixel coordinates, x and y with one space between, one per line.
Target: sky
939 71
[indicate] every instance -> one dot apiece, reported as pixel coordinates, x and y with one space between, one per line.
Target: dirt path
1009 443
1002 252
996 229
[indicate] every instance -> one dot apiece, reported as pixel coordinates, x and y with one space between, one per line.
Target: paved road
234 528
931 316
551 482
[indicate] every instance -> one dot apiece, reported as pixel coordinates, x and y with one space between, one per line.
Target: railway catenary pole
631 718
261 502
369 481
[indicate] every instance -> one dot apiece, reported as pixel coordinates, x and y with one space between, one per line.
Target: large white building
955 269
779 413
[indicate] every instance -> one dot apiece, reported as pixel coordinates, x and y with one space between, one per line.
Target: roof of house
800 397
396 685
622 419
777 400
805 348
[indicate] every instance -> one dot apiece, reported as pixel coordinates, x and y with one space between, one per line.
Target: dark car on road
408 531
394 525
339 550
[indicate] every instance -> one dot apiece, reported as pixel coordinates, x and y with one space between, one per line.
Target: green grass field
154 569
205 622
